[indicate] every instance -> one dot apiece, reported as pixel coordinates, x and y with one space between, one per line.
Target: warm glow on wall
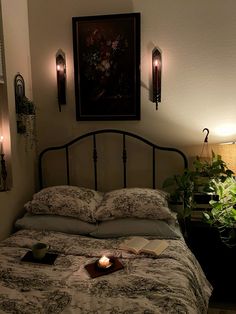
225 130
228 153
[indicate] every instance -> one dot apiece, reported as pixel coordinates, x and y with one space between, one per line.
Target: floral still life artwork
107 60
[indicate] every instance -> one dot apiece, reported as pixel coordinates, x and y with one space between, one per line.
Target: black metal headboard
94 156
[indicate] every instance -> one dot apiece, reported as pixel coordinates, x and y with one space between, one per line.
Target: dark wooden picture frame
107 66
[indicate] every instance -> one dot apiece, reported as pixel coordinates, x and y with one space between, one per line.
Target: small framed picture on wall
107 66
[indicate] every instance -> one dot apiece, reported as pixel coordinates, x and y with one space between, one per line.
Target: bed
82 224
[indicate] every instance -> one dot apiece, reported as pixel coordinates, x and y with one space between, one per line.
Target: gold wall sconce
61 77
156 76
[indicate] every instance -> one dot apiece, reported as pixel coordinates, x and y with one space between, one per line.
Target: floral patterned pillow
66 200
134 202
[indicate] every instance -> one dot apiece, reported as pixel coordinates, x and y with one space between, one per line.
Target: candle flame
59 67
104 259
104 262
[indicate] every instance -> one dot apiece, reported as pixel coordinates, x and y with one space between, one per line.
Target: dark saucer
48 259
95 271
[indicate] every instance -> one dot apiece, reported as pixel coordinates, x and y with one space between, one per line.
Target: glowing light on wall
225 130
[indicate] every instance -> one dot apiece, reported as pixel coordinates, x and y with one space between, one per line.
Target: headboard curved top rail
93 135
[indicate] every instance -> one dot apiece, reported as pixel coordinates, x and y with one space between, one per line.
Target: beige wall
17 59
197 39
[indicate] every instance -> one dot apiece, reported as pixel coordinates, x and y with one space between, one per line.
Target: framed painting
107 66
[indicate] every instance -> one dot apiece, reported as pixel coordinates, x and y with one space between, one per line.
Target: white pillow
135 227
64 200
55 223
134 202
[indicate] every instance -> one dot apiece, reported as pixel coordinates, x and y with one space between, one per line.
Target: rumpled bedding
172 282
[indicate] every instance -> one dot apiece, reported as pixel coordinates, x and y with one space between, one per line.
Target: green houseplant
182 187
223 213
207 177
206 170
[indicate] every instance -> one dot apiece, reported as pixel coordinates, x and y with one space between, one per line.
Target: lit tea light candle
156 73
104 262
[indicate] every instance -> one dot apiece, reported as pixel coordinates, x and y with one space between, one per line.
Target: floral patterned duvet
170 283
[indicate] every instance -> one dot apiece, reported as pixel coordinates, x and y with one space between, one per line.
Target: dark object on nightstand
217 260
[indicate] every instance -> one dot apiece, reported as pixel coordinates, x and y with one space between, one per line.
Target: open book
141 245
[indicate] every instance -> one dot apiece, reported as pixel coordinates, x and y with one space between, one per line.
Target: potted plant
223 213
183 187
206 170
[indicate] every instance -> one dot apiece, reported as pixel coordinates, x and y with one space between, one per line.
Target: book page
155 246
135 244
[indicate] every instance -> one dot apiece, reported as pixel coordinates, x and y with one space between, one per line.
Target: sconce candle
156 76
1 145
61 77
156 73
